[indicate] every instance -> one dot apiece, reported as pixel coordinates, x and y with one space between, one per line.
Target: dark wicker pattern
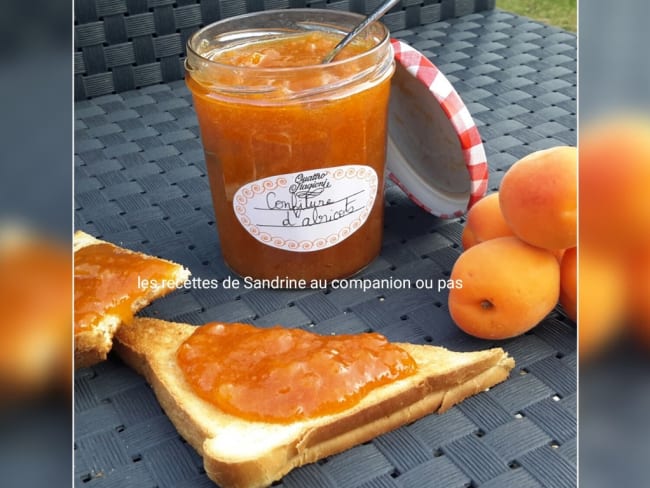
125 44
140 182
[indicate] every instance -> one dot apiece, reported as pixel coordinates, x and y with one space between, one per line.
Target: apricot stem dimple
487 305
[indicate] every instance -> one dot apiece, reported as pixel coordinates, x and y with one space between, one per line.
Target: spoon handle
378 12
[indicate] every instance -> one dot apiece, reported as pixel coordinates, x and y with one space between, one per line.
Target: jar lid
434 150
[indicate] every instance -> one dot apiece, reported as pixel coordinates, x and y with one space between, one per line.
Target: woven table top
141 183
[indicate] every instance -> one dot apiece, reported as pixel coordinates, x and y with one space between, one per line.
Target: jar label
308 210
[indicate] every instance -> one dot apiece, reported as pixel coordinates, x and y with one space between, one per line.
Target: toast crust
93 345
246 454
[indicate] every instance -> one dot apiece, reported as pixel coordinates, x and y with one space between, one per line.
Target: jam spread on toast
284 375
108 280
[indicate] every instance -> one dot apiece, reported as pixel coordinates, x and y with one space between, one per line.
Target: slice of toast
92 344
238 453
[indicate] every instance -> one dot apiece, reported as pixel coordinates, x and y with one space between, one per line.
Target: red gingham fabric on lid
435 153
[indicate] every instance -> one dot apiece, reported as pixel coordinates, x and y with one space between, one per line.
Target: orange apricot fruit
538 197
568 282
614 176
484 222
601 300
508 287
638 293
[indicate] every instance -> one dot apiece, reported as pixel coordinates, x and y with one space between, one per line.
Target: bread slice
92 345
245 454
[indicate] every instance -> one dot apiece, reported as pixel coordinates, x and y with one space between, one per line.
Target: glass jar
295 149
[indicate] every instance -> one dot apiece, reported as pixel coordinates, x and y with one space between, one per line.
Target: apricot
638 293
484 222
538 197
614 175
568 283
601 300
508 287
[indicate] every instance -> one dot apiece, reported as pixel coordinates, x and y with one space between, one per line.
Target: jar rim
381 43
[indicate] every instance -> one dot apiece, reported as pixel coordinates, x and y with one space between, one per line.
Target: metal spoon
376 14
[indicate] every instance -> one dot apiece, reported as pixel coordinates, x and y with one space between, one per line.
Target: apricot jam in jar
294 149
